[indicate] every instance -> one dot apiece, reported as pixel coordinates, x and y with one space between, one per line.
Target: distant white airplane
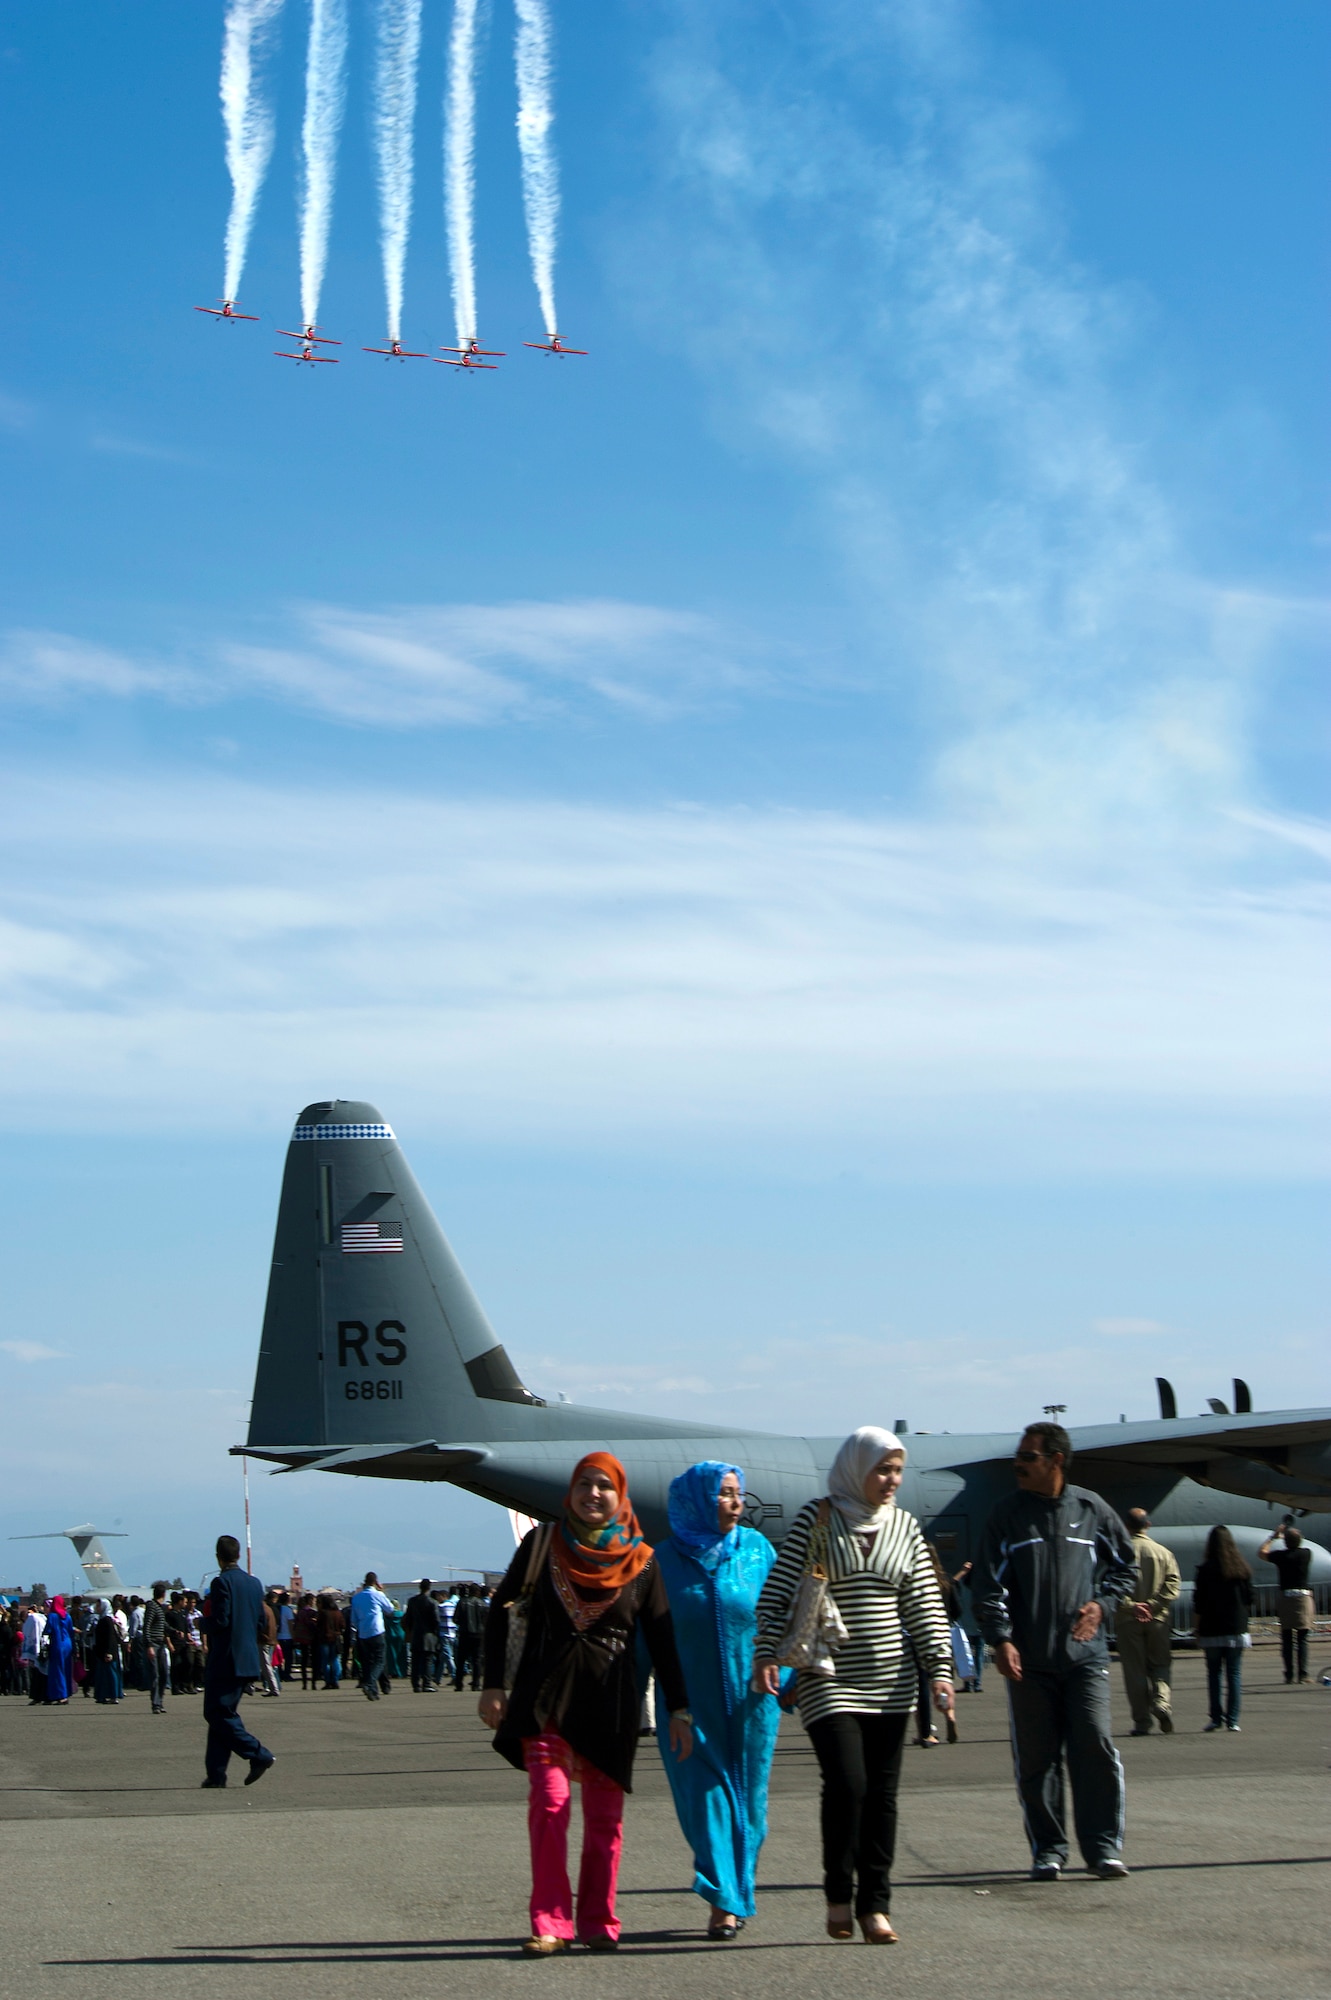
103 1577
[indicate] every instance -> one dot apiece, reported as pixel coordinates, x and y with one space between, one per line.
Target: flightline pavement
384 1856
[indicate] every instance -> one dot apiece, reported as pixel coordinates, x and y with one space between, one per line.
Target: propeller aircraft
395 351
307 354
469 355
226 309
310 336
377 1360
553 346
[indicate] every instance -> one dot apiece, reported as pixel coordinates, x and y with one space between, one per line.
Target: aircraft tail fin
102 1574
372 1336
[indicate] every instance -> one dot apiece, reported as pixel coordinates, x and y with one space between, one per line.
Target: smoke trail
394 116
248 118
460 166
540 177
325 96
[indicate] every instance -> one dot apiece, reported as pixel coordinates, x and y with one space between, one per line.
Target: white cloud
925 991
879 285
423 665
51 666
30 1350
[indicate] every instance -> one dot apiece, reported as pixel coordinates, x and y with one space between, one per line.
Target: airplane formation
469 356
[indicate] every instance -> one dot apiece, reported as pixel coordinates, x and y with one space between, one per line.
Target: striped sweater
893 1610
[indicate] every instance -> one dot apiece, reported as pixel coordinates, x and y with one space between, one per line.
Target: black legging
860 1759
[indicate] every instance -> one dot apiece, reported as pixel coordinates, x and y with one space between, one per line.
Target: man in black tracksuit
1055 1562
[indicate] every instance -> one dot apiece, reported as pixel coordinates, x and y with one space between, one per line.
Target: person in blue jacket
236 1623
713 1570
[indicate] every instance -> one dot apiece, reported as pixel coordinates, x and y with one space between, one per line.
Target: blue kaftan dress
720 1791
60 1660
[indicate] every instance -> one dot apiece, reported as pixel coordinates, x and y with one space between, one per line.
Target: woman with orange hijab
574 1709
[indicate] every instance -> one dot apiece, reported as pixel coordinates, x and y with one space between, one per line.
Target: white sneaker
1109 1871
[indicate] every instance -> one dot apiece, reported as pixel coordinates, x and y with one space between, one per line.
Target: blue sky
811 822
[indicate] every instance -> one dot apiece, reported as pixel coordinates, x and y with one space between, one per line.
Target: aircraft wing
1283 1456
1189 1440
426 1460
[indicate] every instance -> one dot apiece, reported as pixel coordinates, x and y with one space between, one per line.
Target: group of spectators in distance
435 1637
52 1648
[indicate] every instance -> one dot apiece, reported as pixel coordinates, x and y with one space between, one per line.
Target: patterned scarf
600 1559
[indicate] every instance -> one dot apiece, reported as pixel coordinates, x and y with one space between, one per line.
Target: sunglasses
1028 1457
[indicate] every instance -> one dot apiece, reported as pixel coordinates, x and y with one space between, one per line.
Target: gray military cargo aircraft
377 1360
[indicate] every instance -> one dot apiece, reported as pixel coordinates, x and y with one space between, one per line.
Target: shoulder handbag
519 1610
814 1627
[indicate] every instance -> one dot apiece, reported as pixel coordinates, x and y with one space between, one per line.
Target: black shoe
213 1785
1046 1871
258 1765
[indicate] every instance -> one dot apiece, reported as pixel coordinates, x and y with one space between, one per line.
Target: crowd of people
53 1648
98 1647
852 1621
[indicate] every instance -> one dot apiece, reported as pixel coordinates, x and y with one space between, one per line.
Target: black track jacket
1040 1560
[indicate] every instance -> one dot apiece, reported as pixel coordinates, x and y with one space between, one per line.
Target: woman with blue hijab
713 1570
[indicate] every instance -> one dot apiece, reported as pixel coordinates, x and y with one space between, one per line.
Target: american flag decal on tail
370 1238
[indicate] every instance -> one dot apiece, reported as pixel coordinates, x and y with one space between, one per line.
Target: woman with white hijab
883 1583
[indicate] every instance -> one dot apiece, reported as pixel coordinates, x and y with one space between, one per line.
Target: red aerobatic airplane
395 351
469 355
310 336
554 345
309 339
226 309
307 353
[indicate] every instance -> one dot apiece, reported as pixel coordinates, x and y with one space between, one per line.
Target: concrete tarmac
384 1856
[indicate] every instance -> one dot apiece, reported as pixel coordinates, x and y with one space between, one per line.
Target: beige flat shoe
840 1924
543 1947
877 1930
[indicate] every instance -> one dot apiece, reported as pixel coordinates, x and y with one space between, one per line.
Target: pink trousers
553 1768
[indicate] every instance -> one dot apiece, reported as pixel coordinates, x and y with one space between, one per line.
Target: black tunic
582 1683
